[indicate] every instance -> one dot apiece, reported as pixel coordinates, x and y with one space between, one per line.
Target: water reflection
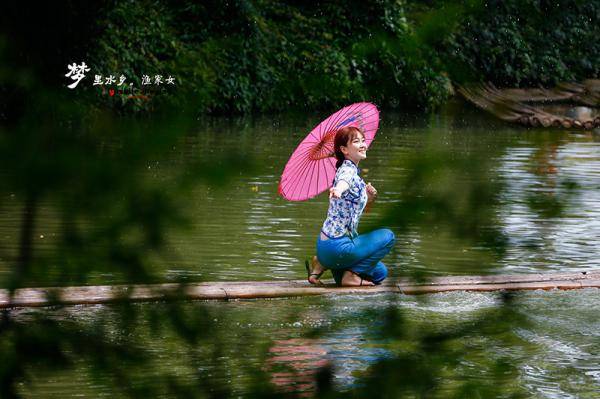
294 365
564 177
564 329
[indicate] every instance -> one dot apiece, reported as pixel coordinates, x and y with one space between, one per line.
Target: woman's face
356 150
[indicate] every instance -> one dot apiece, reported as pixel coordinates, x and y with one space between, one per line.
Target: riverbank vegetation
273 55
264 56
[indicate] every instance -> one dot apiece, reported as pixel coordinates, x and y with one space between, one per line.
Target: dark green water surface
563 330
245 231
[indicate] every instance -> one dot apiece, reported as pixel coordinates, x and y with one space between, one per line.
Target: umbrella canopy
311 168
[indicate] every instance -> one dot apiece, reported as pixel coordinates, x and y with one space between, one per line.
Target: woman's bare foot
315 271
351 279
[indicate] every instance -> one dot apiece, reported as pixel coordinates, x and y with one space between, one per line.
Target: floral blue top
344 213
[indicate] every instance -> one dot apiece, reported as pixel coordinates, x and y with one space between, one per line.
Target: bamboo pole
37 297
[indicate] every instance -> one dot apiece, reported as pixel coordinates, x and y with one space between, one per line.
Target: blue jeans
361 254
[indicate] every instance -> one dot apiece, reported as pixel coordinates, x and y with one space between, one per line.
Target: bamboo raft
38 297
518 105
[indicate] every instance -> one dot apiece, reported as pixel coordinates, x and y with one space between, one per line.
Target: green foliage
267 55
89 170
528 43
138 39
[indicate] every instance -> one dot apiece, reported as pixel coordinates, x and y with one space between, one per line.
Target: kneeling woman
354 259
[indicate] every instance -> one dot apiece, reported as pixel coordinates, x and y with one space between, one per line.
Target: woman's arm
338 190
371 196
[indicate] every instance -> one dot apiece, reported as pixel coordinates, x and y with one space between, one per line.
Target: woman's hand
371 193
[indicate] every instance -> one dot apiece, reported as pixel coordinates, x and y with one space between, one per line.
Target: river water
547 212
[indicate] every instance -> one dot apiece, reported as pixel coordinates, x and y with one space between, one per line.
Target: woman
354 259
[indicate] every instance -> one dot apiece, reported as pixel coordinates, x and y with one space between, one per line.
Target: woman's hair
342 138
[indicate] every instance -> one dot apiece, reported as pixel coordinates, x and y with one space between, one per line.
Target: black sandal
309 274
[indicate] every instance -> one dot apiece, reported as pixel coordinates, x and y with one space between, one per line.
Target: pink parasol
311 168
